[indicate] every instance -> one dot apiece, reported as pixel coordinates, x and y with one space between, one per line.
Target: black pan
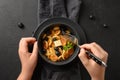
69 24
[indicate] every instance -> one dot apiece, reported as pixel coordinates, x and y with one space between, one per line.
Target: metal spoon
74 40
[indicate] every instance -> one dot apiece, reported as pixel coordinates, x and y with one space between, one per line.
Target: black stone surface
14 11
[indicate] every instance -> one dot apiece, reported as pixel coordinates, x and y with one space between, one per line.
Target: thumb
35 49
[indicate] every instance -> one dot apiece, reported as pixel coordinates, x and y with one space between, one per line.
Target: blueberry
57 53
91 17
21 25
56 49
54 39
105 25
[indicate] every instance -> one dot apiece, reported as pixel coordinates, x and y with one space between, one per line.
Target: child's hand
28 60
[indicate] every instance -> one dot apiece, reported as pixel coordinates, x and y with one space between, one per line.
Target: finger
35 50
95 49
23 45
29 39
97 46
92 47
83 57
100 49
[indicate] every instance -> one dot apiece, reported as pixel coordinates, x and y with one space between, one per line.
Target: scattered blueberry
105 25
91 17
21 25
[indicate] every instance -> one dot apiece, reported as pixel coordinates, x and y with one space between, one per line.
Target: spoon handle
96 59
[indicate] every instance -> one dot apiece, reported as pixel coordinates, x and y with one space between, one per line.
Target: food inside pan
56 47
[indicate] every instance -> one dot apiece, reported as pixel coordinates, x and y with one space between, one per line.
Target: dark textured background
14 11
